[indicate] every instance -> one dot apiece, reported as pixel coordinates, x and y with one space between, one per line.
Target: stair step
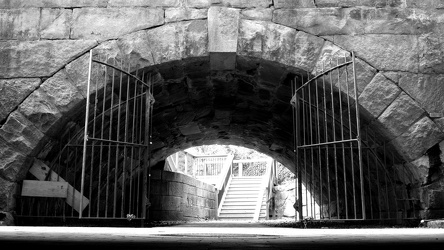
236 215
249 211
238 207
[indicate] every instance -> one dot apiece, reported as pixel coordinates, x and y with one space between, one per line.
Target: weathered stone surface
385 52
38 58
14 92
7 199
419 169
431 47
400 115
39 110
425 4
6 4
257 14
105 23
289 4
245 3
77 72
425 89
196 39
13 165
251 36
307 50
436 199
55 23
418 138
321 21
378 94
198 3
21 134
150 3
181 14
223 26
62 92
19 23
278 44
328 53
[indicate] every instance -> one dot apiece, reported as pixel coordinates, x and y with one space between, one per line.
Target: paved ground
218 236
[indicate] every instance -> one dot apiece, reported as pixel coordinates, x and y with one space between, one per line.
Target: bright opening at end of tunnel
233 170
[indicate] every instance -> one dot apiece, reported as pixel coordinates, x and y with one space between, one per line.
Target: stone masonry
222 71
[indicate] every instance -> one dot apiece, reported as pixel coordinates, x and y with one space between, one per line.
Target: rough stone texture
175 196
101 24
52 3
21 134
307 50
400 115
181 14
7 219
418 138
19 23
386 52
378 94
289 4
419 169
19 88
251 36
55 23
278 44
431 48
7 189
245 3
41 112
61 92
257 14
150 3
425 89
13 165
328 53
38 58
77 72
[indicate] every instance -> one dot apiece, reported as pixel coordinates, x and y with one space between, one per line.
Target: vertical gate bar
293 113
125 147
318 130
85 134
102 127
358 133
334 139
377 182
304 123
369 173
132 147
350 125
310 120
140 139
326 140
393 185
116 169
385 182
151 106
298 161
110 137
341 122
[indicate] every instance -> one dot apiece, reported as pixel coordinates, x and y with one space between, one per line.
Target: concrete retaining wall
175 196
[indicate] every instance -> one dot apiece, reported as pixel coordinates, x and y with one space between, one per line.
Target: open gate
101 162
343 172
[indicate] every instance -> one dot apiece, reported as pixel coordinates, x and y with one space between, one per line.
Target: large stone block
21 134
251 36
137 47
13 165
307 50
55 23
62 92
171 203
384 52
431 48
182 13
38 58
427 90
400 115
52 3
426 4
378 94
39 110
223 27
105 23
19 23
150 3
14 91
7 194
263 14
278 45
290 4
245 3
421 136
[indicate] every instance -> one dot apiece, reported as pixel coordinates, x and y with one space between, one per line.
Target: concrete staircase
243 199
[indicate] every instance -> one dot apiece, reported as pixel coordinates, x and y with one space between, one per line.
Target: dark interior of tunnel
249 106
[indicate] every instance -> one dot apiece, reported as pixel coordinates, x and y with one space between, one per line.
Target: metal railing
250 167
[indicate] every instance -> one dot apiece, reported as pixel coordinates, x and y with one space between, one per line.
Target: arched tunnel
248 106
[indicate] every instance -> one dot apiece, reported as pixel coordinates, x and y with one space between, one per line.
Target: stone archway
260 57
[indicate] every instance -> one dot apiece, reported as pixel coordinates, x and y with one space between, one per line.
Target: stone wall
399 45
177 197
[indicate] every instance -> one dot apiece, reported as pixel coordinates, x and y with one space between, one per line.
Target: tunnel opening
194 105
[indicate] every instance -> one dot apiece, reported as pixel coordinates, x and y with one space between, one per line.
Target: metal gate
342 173
102 157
